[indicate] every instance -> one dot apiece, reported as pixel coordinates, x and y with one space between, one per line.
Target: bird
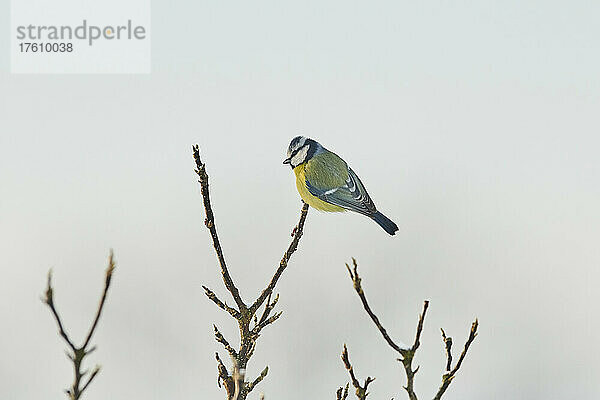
326 182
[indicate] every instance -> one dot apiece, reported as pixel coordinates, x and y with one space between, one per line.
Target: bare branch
402 349
448 345
472 336
298 231
407 358
449 376
78 354
417 343
210 224
269 306
109 271
408 353
49 300
94 373
221 304
236 387
342 393
262 375
266 322
224 377
361 391
221 339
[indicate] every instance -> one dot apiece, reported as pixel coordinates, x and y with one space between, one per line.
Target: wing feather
352 195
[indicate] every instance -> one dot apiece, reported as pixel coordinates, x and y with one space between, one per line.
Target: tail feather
387 224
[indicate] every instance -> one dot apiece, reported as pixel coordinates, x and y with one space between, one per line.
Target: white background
473 126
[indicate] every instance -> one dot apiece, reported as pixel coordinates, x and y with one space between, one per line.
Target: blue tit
327 183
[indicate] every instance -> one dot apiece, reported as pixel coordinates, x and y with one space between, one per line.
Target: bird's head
301 150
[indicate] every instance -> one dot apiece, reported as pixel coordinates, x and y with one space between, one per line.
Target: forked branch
451 373
406 352
249 323
361 390
77 353
342 393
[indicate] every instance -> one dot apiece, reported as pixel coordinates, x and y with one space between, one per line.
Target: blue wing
352 195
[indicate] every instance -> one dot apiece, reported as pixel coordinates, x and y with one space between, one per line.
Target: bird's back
326 171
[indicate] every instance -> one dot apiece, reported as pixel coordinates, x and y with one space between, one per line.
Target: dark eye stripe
298 149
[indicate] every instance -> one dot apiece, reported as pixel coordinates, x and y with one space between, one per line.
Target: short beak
287 161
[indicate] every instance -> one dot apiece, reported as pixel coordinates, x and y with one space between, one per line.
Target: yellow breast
308 198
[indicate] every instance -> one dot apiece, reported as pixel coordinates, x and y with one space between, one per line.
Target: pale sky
474 126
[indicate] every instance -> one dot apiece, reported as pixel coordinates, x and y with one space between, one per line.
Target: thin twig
361 390
78 354
221 339
407 358
258 379
417 342
108 278
284 261
342 392
210 224
448 345
449 376
221 304
49 300
402 349
94 373
268 308
224 377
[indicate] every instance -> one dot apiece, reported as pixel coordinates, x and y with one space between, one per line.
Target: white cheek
300 156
